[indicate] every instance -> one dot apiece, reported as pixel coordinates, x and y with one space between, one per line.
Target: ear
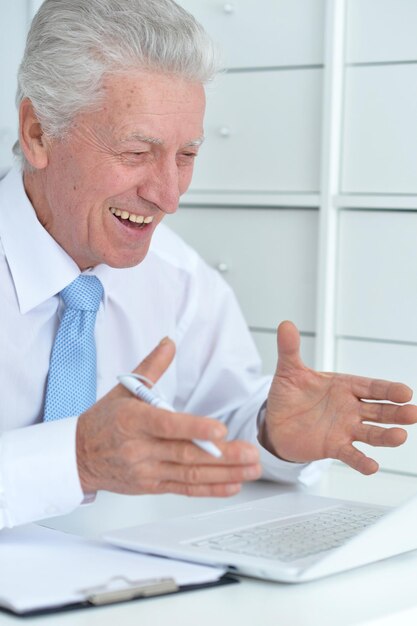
32 139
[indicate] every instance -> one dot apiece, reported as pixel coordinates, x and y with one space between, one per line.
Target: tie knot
83 294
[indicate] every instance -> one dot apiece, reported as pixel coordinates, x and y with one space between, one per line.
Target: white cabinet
380 133
272 172
262 133
381 31
389 361
377 277
375 299
267 256
264 34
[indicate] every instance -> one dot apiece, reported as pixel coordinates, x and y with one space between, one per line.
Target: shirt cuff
38 472
274 468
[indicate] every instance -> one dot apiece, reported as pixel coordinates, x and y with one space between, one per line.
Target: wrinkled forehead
146 85
150 106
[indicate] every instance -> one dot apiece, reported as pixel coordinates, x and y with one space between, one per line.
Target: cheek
114 180
64 181
184 178
98 187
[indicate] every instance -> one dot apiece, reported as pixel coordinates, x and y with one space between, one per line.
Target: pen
138 389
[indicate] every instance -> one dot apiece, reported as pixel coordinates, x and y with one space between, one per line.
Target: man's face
131 159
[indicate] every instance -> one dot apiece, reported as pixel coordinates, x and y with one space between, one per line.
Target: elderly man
111 104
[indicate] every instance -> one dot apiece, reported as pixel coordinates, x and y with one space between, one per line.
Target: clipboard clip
121 589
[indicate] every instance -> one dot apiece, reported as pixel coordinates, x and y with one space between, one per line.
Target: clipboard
44 571
141 591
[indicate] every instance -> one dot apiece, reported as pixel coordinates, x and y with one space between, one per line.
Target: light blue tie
72 378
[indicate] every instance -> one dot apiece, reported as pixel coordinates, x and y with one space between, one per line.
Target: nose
161 186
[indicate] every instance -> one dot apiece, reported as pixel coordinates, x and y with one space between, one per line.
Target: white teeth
136 219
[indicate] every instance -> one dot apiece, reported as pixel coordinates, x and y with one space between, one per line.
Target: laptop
290 538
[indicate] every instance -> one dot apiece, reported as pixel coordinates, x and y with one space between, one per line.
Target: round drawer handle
223 268
224 131
229 8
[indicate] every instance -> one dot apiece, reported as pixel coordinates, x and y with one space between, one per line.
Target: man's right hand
127 446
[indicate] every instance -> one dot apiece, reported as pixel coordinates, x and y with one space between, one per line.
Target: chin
125 261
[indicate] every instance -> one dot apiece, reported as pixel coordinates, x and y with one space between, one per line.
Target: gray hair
73 44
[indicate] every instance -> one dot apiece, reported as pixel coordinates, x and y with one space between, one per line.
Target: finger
376 389
378 436
357 460
163 424
288 340
388 413
187 453
207 474
157 361
199 491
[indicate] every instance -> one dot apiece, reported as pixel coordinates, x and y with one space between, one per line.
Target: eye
187 157
134 156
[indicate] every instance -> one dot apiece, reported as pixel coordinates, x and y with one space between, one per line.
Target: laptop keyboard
294 540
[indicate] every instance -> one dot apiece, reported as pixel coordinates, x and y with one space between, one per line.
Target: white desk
351 598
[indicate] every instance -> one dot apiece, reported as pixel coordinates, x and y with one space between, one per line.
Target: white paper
41 567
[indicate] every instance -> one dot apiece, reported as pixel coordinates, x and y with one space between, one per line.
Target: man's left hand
313 415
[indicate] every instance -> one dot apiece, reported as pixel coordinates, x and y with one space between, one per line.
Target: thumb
288 339
157 361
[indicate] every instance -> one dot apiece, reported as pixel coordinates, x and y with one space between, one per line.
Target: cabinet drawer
380 132
392 362
269 257
262 133
381 31
263 34
377 276
266 343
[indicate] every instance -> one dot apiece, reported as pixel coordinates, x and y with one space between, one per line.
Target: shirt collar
40 268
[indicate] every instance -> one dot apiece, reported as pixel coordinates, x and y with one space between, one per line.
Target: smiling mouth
131 219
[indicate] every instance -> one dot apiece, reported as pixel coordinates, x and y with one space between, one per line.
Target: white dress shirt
171 293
